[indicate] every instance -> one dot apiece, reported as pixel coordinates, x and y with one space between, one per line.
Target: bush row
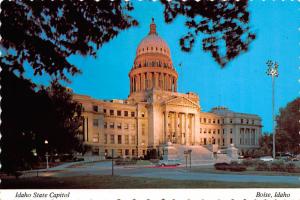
230 167
276 166
125 162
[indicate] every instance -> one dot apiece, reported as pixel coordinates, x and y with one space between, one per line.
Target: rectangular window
218 131
218 121
119 126
105 124
223 141
230 140
126 139
126 113
119 113
126 152
200 130
133 127
111 112
95 122
133 139
132 152
142 114
126 126
95 151
209 131
247 121
119 152
205 141
204 120
214 121
200 120
119 139
230 121
218 141
95 108
105 139
252 121
111 125
205 130
223 121
132 114
95 138
231 130
143 129
242 121
209 121
214 131
104 111
223 130
112 139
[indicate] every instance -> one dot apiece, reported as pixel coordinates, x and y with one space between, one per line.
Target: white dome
152 43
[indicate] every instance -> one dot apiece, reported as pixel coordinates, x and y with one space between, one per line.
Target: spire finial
152 27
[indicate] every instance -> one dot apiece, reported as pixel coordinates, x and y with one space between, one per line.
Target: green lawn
107 182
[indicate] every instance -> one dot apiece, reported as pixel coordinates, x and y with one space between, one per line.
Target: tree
30 117
45 33
224 23
288 127
266 144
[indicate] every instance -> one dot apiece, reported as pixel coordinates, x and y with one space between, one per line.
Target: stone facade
155 113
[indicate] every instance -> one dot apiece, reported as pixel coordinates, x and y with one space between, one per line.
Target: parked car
169 163
266 158
295 159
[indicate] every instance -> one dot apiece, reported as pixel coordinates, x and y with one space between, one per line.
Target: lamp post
273 72
47 163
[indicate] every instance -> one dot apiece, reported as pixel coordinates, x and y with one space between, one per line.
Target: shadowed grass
109 182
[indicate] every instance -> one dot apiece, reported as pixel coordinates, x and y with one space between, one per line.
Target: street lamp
47 163
273 72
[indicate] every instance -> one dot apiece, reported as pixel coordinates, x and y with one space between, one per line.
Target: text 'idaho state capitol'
42 195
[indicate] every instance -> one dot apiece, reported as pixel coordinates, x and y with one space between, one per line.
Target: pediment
181 101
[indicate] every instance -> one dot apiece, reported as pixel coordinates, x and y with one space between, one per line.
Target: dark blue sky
242 86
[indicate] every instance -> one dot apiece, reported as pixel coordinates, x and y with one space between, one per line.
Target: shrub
290 167
234 166
262 166
250 163
277 166
221 166
125 162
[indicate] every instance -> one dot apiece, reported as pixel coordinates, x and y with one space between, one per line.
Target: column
150 80
138 83
166 127
186 128
143 82
194 130
181 128
156 80
176 127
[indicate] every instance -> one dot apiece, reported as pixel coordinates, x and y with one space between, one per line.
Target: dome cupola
153 67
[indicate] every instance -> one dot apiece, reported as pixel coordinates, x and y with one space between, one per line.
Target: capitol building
155 114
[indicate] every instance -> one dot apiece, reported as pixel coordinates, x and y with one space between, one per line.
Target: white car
169 163
266 158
